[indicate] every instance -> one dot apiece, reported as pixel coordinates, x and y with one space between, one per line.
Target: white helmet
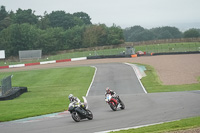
71 97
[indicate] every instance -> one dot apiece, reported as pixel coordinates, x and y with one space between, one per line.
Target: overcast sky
123 13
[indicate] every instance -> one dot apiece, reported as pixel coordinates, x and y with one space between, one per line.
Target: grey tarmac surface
141 108
118 77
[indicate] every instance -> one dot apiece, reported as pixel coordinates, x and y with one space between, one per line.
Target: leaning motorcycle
114 102
79 112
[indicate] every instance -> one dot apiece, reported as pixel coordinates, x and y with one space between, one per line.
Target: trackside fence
6 86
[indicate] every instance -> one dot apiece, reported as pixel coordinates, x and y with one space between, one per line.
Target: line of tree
53 32
58 30
138 33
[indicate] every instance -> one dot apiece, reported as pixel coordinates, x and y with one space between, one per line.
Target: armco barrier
174 53
108 56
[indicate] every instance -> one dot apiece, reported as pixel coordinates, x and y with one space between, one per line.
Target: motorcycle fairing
113 100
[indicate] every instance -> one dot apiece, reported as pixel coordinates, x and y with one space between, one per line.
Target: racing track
141 108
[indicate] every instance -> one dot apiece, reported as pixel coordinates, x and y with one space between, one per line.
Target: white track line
133 66
134 127
92 81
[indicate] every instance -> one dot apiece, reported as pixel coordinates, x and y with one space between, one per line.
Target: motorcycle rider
112 93
109 91
78 109
73 99
76 100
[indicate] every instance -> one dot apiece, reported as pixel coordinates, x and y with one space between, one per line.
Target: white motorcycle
79 112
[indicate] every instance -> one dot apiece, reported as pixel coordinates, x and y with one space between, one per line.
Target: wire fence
6 86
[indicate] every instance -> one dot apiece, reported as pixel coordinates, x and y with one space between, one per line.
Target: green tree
53 32
61 19
145 36
138 33
5 41
84 17
166 32
44 22
5 21
19 37
3 13
25 16
52 40
93 36
102 35
131 34
115 35
74 37
191 33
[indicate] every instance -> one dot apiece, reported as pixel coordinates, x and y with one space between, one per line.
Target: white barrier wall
2 54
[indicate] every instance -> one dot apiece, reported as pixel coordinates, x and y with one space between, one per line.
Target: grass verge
167 127
153 84
48 91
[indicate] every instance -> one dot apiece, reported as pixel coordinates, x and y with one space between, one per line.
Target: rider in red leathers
114 98
109 91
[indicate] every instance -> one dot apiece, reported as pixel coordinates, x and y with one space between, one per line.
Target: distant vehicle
140 53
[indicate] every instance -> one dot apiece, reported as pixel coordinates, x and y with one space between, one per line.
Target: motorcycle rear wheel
76 117
122 105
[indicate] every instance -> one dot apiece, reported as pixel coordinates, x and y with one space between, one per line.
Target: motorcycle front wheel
89 115
113 106
75 116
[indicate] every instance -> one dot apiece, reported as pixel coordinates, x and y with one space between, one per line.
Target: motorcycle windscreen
85 102
108 97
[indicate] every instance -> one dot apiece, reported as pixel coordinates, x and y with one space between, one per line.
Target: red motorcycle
114 102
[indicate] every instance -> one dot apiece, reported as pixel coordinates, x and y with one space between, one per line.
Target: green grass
48 91
170 47
115 51
166 127
153 84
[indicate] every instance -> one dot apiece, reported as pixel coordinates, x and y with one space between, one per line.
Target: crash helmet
108 90
71 97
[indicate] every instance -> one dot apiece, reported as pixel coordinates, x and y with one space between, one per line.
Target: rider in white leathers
77 101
